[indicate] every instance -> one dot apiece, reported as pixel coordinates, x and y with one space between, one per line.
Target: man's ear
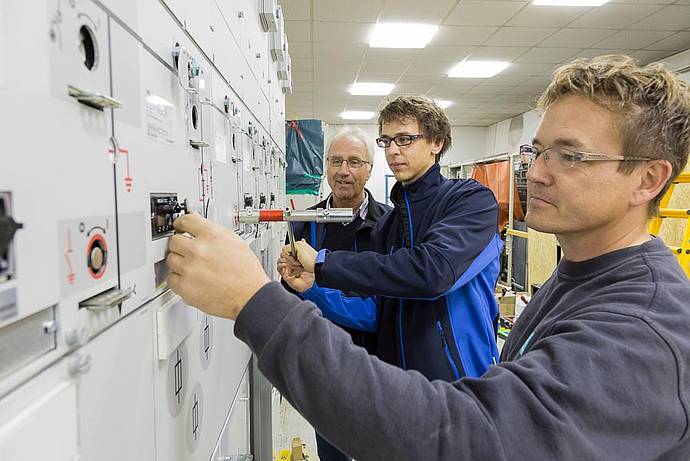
436 146
653 177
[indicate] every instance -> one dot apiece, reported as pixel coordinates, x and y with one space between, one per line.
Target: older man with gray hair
349 161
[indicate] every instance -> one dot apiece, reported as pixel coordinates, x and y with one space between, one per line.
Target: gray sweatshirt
597 368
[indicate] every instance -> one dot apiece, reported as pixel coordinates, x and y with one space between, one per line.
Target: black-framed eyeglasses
352 163
562 158
400 140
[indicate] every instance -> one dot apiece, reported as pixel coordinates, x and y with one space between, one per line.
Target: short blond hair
652 104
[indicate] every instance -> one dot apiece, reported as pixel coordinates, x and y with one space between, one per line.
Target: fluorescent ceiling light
401 35
356 115
569 2
477 69
371 89
442 103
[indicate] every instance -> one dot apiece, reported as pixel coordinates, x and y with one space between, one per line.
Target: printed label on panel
160 118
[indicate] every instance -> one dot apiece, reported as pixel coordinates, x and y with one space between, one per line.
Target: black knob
8 226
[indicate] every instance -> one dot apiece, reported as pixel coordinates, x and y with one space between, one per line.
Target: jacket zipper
447 350
400 306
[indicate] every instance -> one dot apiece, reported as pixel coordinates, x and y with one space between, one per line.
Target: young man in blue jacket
349 161
427 288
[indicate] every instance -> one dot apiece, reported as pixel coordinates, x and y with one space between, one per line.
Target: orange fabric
496 176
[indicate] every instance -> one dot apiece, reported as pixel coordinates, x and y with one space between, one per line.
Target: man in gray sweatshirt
597 367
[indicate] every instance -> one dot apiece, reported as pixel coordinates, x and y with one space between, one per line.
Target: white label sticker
221 148
160 118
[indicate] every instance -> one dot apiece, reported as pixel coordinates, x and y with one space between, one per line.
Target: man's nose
343 169
393 149
538 172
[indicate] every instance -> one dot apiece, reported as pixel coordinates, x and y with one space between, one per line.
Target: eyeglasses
353 163
400 140
561 158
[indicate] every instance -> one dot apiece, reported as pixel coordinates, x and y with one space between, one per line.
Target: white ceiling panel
547 55
647 2
633 39
589 53
578 38
672 17
546 16
416 11
350 32
482 13
296 10
412 88
300 49
527 70
302 76
364 101
338 50
333 64
409 77
299 31
384 66
676 42
302 64
444 53
303 86
490 90
378 77
393 54
346 10
614 16
520 36
334 77
497 53
462 35
435 68
647 56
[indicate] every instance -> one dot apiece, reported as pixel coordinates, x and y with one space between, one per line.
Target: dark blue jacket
430 279
315 233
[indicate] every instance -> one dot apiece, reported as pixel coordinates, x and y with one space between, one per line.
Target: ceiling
328 44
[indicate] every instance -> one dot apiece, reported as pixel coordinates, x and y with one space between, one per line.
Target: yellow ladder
683 251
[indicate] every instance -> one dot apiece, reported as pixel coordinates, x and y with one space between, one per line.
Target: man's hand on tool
306 257
301 281
212 268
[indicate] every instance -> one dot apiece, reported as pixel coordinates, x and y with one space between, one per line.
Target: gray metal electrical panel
117 117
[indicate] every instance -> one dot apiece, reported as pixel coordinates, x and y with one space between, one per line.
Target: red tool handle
270 215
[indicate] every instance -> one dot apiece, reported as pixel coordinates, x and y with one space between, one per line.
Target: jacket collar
374 212
419 189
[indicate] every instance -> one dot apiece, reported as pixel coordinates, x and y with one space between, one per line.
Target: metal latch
92 99
107 299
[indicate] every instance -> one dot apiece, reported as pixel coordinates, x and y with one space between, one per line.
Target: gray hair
357 133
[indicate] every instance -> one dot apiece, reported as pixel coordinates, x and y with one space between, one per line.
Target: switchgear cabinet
117 117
